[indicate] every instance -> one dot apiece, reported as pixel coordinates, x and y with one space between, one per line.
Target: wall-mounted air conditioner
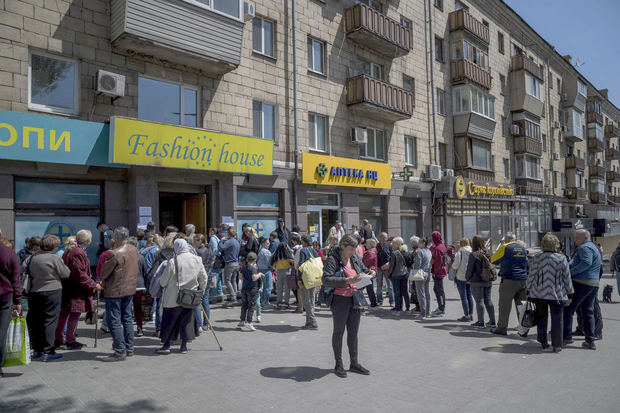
359 135
110 84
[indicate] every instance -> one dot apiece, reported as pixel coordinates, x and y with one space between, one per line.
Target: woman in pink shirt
342 270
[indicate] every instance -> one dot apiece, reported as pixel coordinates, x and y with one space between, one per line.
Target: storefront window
322 199
263 225
484 226
375 221
454 228
45 193
469 226
369 202
408 228
497 232
260 199
408 204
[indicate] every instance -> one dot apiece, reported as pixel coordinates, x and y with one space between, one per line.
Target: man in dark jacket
10 294
282 231
384 251
365 232
512 259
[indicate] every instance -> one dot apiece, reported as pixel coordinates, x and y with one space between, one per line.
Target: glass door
314 224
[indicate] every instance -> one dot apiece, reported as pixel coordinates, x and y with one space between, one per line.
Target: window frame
502 84
438 4
500 42
325 137
582 85
310 43
470 154
440 40
535 82
365 146
262 120
76 86
441 103
526 160
212 8
182 86
507 168
414 145
487 102
406 79
262 32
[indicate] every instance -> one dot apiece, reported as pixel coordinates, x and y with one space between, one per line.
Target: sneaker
557 349
589 345
75 346
104 329
464 319
499 331
183 349
114 357
258 319
438 314
241 325
60 344
163 350
250 327
130 353
139 333
578 333
357 368
50 356
568 341
491 324
478 324
204 328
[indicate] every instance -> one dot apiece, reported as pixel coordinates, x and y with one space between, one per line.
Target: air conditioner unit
433 172
359 135
249 10
556 156
110 84
564 128
564 97
556 124
515 129
448 172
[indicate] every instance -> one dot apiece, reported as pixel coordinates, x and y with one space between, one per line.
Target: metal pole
430 36
295 120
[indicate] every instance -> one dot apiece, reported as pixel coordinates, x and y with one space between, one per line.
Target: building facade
417 116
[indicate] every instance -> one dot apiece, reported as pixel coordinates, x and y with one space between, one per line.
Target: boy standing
252 282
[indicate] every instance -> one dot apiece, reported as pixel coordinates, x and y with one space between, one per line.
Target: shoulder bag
529 316
187 297
26 278
312 271
489 271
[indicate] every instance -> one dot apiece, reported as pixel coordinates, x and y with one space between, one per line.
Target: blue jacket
512 259
585 267
230 249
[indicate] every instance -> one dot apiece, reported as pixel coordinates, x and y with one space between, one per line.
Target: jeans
381 275
230 279
42 319
71 319
598 319
557 313
482 293
158 310
248 302
120 321
6 310
440 295
267 285
307 296
509 291
584 296
423 292
345 317
466 298
284 292
205 304
400 292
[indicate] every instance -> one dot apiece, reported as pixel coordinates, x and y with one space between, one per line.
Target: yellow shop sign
470 188
137 142
331 170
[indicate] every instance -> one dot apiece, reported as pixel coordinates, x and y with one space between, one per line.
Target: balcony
597 171
596 145
528 187
573 162
463 70
612 131
368 27
522 62
462 20
598 197
612 176
379 100
525 144
575 193
612 154
477 174
614 200
178 32
594 117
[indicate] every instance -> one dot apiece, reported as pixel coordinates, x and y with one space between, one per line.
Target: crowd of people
169 279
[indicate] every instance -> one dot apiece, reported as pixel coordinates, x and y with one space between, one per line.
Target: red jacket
78 288
10 283
370 259
438 263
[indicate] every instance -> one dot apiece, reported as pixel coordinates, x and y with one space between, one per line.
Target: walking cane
96 317
210 326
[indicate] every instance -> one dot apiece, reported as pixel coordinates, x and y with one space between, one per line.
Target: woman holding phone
342 270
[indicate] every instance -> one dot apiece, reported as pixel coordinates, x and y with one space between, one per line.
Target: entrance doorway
182 209
323 212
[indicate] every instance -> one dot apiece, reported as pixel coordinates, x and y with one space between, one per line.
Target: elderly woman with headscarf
190 274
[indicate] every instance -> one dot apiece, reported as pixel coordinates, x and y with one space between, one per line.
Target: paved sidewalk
438 365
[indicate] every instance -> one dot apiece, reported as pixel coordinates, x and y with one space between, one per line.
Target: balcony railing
598 197
597 171
372 29
575 193
574 162
523 62
612 154
612 131
528 187
477 174
596 145
525 144
615 200
612 176
462 20
463 69
368 95
594 117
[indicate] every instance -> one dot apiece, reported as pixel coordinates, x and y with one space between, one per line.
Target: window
438 4
480 156
375 147
441 102
439 49
500 42
577 124
502 84
533 86
53 84
516 50
407 24
544 142
528 166
579 178
371 69
263 36
458 5
550 80
257 199
551 114
229 7
559 82
582 89
264 120
469 51
317 126
481 103
555 179
503 125
167 102
507 168
411 151
532 130
373 4
316 55
408 84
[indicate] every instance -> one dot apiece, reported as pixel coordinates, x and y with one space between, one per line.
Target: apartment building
414 115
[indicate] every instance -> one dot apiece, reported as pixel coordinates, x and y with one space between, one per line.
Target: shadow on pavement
277 328
525 348
299 373
137 406
8 375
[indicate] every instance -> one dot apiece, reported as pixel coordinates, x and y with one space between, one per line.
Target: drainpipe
551 140
295 120
432 63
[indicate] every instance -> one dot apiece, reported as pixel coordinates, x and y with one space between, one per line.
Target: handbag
26 278
17 343
417 275
312 271
530 319
359 301
187 297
